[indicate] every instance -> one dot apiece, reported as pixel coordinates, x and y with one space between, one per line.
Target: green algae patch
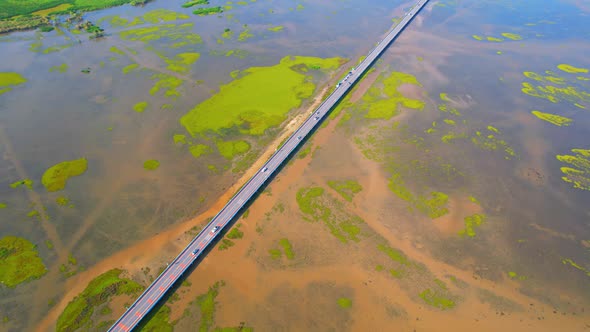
568 261
516 276
578 170
346 188
434 205
55 177
10 80
444 97
206 306
151 164
437 299
198 150
383 99
259 99
227 34
163 15
394 254
511 36
19 261
344 302
62 201
287 248
180 139
26 182
306 199
231 149
571 69
181 34
116 50
477 37
494 39
182 62
553 118
276 28
3 206
235 233
159 322
208 11
316 205
60 69
167 83
78 313
245 35
471 223
140 107
127 69
556 89
189 4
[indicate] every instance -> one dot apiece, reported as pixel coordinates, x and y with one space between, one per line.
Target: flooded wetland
449 190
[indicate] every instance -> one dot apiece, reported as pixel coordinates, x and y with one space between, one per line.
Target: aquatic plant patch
77 314
577 171
19 261
56 177
346 188
9 80
316 205
554 119
557 89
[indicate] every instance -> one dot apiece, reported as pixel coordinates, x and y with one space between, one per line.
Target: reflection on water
475 141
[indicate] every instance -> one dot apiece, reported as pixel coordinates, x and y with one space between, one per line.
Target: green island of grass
151 164
77 314
56 176
259 99
10 80
19 261
346 188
